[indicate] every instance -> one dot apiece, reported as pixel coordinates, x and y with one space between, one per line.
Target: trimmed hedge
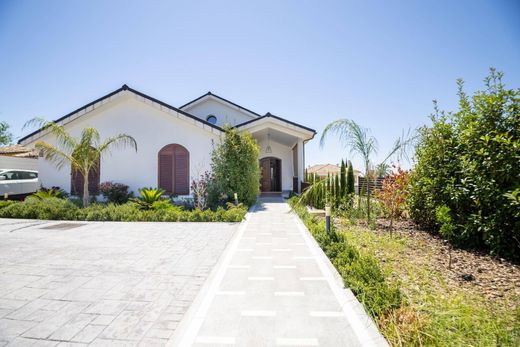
360 271
60 209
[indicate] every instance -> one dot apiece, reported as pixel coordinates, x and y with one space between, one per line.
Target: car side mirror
2 178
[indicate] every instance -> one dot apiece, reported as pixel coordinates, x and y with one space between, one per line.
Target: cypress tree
350 178
343 179
337 192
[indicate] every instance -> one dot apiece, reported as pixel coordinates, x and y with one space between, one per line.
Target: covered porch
282 152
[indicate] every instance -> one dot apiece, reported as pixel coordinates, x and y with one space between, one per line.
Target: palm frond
118 141
64 139
54 155
401 146
310 194
352 136
89 137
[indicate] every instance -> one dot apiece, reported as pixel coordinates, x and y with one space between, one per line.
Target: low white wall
18 163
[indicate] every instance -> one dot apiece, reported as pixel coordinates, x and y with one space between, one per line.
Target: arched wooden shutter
174 164
76 185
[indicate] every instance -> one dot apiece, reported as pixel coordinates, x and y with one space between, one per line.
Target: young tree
394 193
360 142
235 169
82 154
5 135
350 179
343 179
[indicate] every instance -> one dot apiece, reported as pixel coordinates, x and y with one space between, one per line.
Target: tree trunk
367 180
86 197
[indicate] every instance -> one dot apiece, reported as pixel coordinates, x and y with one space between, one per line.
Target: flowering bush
115 192
394 193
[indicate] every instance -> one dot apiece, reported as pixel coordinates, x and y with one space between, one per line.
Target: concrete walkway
275 287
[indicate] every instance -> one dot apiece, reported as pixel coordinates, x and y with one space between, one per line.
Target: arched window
76 181
174 169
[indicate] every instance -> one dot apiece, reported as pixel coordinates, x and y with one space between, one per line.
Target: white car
16 183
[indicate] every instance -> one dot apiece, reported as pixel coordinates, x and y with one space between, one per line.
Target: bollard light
6 196
236 198
327 219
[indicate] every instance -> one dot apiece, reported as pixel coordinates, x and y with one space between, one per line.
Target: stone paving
73 284
274 287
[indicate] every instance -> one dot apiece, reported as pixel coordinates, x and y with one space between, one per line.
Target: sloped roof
117 91
269 115
323 169
210 94
18 151
179 110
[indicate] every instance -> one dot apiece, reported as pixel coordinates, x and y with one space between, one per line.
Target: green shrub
5 203
468 161
161 211
54 192
235 169
148 196
360 271
34 208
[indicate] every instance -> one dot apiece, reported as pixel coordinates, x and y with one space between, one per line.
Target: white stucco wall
225 114
285 154
152 127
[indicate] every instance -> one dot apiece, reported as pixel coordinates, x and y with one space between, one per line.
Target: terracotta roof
18 151
323 169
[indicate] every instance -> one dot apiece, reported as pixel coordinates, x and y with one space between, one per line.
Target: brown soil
470 270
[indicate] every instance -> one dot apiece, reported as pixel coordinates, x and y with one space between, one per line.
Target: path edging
186 331
364 327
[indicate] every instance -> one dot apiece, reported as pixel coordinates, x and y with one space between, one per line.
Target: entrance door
271 175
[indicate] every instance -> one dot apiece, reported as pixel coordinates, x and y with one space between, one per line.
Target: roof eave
117 91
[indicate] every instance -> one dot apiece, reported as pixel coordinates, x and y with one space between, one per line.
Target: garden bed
473 303
63 209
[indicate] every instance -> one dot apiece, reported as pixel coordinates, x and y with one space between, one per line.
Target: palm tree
82 154
361 143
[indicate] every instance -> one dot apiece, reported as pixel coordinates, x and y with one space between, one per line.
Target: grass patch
433 312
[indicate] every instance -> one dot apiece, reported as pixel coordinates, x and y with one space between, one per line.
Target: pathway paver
275 287
102 284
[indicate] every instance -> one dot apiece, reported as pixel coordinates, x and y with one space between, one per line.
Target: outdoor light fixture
268 148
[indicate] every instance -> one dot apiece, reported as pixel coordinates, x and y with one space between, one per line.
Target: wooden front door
271 175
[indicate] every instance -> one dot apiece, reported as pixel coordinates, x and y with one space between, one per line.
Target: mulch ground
470 270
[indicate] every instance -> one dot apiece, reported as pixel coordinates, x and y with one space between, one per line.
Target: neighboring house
18 151
175 144
322 170
18 157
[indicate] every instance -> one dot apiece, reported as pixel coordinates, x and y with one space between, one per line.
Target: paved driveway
101 283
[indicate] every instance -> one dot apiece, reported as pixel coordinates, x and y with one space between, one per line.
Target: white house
175 144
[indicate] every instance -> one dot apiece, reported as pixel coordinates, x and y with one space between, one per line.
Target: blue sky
378 62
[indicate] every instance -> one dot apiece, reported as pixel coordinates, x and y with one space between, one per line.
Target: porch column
301 164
